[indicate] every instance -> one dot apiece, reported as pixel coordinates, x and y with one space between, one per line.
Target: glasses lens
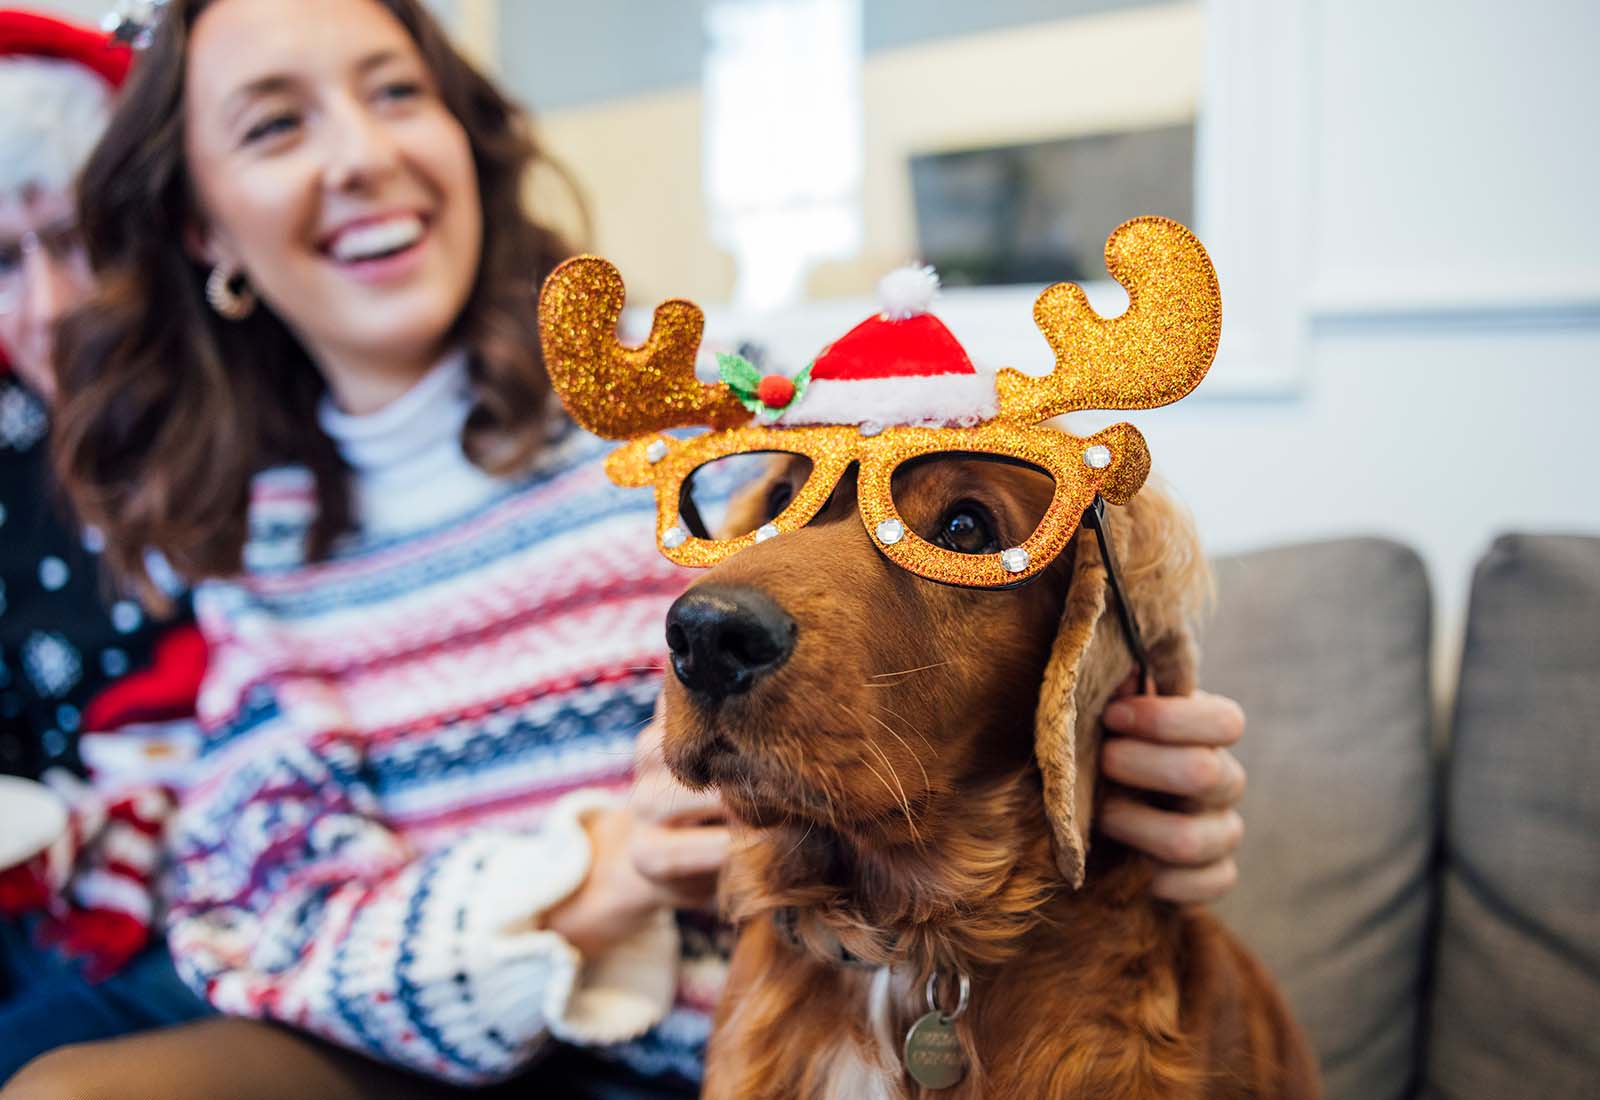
732 496
971 503
10 272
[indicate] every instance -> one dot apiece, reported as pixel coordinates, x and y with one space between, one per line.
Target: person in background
311 379
88 687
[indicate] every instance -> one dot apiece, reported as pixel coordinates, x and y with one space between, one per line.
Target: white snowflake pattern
54 574
114 662
162 573
51 663
22 418
126 616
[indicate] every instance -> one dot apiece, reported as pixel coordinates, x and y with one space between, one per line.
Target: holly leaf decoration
744 378
741 375
802 382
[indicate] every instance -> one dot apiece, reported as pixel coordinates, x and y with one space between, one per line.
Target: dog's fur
891 804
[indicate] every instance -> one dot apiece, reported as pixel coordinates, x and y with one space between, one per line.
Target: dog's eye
778 498
967 528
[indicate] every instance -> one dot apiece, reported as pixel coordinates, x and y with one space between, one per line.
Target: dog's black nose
726 637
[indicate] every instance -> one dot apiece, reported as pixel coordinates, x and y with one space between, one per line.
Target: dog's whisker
803 837
827 795
905 803
908 671
913 727
926 784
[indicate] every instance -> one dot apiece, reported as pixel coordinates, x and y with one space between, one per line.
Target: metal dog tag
933 1052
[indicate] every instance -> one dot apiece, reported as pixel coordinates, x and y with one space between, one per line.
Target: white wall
1428 222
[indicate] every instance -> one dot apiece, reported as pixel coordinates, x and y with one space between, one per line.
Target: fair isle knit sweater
401 742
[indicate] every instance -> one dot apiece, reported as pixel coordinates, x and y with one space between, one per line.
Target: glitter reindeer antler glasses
893 391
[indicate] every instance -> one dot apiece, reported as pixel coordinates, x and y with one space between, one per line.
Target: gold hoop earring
229 294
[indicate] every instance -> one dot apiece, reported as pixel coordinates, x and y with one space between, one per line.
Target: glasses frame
61 242
667 463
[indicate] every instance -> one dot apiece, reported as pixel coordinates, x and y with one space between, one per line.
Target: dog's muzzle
724 638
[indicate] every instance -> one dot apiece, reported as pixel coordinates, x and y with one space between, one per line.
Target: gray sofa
1432 910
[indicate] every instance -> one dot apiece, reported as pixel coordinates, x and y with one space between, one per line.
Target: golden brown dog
891 747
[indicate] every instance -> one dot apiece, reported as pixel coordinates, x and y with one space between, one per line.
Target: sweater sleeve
292 901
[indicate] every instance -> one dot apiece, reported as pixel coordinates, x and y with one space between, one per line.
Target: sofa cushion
1516 1007
1326 646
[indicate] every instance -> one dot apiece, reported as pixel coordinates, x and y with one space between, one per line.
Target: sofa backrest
1516 1004
1326 646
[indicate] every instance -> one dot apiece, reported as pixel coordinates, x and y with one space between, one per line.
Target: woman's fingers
1210 777
667 856
1195 885
1176 745
657 794
1198 719
1186 839
660 799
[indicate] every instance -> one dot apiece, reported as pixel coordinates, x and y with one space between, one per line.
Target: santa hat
900 366
29 34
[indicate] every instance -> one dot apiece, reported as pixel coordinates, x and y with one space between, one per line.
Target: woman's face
331 174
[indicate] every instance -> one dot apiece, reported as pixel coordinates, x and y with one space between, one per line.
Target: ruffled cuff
531 979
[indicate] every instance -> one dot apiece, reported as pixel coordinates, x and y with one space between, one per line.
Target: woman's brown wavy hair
166 411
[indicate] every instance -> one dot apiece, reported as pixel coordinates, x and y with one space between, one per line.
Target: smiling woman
331 175
343 178
311 378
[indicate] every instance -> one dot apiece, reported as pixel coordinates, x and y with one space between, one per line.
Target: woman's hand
1177 745
663 849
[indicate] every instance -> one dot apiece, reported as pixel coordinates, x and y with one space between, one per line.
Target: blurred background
1399 199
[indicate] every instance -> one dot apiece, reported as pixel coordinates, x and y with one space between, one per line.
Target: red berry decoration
775 391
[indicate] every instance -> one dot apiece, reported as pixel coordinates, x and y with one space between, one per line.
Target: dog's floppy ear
1165 578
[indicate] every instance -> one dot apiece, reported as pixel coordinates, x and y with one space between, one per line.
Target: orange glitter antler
617 391
1151 355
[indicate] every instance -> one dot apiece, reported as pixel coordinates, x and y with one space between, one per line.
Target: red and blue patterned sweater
400 741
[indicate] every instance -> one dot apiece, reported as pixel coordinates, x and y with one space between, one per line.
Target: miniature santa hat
56 80
900 366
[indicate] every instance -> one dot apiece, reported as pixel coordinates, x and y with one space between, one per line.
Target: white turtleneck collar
431 411
408 468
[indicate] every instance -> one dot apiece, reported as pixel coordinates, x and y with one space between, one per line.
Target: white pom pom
907 291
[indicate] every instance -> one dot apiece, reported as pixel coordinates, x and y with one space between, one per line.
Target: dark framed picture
1040 212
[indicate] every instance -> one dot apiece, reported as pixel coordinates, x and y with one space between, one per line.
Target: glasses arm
690 511
1094 518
